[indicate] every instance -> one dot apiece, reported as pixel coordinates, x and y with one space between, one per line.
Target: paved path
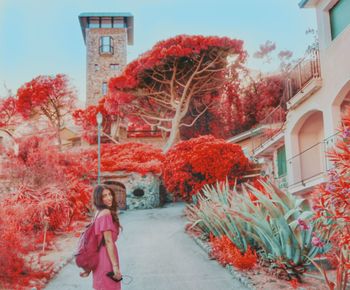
157 254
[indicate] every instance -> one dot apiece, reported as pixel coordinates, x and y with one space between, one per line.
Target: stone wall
142 191
98 66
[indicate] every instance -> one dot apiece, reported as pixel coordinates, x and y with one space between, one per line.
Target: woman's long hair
98 203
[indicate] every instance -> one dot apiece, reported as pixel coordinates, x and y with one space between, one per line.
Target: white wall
335 74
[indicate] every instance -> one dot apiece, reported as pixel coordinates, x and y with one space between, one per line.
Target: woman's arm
111 253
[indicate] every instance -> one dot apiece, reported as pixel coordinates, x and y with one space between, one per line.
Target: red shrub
332 204
226 252
191 164
11 261
129 157
49 189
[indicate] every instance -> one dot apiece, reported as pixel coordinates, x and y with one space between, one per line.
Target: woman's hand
117 274
84 274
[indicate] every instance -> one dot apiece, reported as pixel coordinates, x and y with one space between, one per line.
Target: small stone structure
140 191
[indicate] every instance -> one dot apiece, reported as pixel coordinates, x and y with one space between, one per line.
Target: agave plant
274 221
211 214
279 226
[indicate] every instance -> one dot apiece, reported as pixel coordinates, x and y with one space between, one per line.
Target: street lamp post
99 120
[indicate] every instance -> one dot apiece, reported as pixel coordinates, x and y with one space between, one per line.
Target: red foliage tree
332 206
8 111
159 86
265 50
240 107
191 164
49 96
252 103
86 119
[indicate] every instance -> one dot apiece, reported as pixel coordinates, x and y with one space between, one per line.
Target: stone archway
120 192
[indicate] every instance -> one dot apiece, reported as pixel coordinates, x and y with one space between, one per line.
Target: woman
106 227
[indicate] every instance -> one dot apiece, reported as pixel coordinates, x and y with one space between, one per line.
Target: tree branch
194 120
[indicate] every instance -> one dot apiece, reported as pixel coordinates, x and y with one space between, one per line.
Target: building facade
316 109
317 94
106 36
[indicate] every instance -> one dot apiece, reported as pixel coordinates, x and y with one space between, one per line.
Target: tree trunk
174 133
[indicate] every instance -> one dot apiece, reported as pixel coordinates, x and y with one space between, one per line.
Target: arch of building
304 142
134 190
342 100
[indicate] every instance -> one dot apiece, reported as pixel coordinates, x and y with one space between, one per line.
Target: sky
43 37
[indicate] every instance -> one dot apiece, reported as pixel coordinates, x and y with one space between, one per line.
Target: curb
238 275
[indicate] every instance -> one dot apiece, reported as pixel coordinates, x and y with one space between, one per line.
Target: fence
303 72
312 162
270 126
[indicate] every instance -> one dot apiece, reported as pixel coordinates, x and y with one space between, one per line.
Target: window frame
281 162
333 16
104 89
103 45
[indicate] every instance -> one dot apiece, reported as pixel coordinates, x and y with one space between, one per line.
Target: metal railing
270 126
144 133
312 162
303 72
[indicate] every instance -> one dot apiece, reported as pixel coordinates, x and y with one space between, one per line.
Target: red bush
50 189
191 164
226 253
129 157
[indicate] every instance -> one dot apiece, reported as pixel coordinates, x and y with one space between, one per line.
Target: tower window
104 88
114 66
93 22
97 67
119 23
106 45
106 22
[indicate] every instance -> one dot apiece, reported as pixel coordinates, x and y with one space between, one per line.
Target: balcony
303 79
272 133
310 167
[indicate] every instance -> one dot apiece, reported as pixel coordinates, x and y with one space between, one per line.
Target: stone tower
106 36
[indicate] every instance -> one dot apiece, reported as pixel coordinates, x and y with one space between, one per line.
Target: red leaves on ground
226 253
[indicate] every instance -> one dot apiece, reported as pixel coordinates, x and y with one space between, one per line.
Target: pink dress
100 280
